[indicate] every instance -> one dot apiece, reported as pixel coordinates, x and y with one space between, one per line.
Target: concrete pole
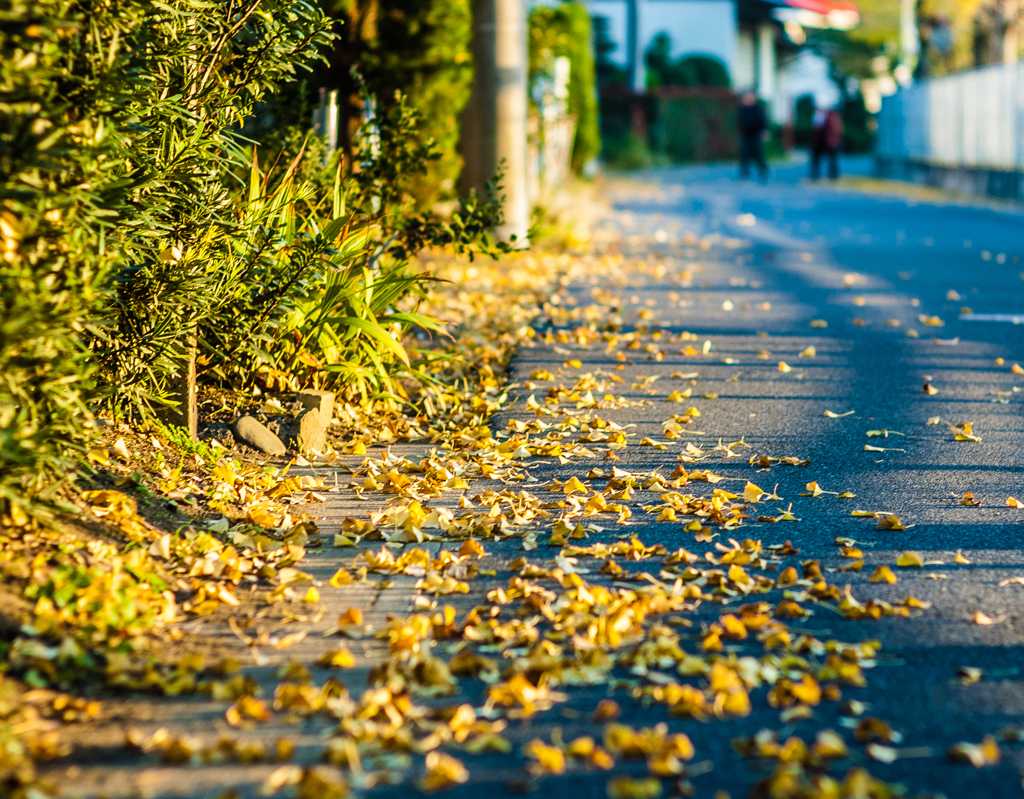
494 124
634 55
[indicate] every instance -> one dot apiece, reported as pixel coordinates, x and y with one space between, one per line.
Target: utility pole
634 59
494 124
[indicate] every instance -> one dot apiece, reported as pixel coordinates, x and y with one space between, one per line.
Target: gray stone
323 401
308 432
251 432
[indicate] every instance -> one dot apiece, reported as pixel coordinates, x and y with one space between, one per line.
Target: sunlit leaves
986 753
442 772
910 560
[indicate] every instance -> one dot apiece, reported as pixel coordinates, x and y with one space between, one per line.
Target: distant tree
693 70
608 72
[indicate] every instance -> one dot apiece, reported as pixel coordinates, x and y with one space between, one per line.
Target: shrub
60 180
116 130
196 71
320 298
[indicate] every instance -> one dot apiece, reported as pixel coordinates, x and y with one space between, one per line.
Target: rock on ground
256 435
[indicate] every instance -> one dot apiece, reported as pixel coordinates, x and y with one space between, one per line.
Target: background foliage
565 30
420 49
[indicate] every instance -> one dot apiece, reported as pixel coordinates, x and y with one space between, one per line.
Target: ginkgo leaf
809 352
910 560
99 455
753 493
987 753
1011 502
960 558
968 500
574 485
834 415
891 522
340 658
122 449
883 574
785 367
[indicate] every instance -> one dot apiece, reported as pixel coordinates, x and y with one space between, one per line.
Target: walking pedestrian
826 140
753 127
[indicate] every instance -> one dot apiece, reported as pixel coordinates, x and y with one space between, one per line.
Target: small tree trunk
186 414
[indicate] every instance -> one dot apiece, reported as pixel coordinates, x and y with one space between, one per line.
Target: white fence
549 155
972 120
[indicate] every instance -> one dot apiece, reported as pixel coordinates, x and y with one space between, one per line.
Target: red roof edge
824 6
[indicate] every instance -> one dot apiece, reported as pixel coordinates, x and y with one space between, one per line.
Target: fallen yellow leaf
910 560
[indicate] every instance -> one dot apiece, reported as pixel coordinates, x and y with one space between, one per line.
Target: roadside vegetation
168 211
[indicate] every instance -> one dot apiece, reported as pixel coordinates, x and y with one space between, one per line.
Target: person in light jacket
826 140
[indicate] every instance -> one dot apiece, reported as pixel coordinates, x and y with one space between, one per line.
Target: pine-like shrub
197 70
61 190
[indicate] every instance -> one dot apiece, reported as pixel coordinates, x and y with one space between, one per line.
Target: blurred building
756 42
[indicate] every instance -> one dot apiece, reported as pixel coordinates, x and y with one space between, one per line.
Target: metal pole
494 127
634 59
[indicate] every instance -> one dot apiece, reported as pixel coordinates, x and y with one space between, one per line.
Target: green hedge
61 189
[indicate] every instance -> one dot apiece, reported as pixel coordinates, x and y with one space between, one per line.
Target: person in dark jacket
752 122
826 140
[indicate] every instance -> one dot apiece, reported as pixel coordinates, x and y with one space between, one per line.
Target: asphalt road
871 266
